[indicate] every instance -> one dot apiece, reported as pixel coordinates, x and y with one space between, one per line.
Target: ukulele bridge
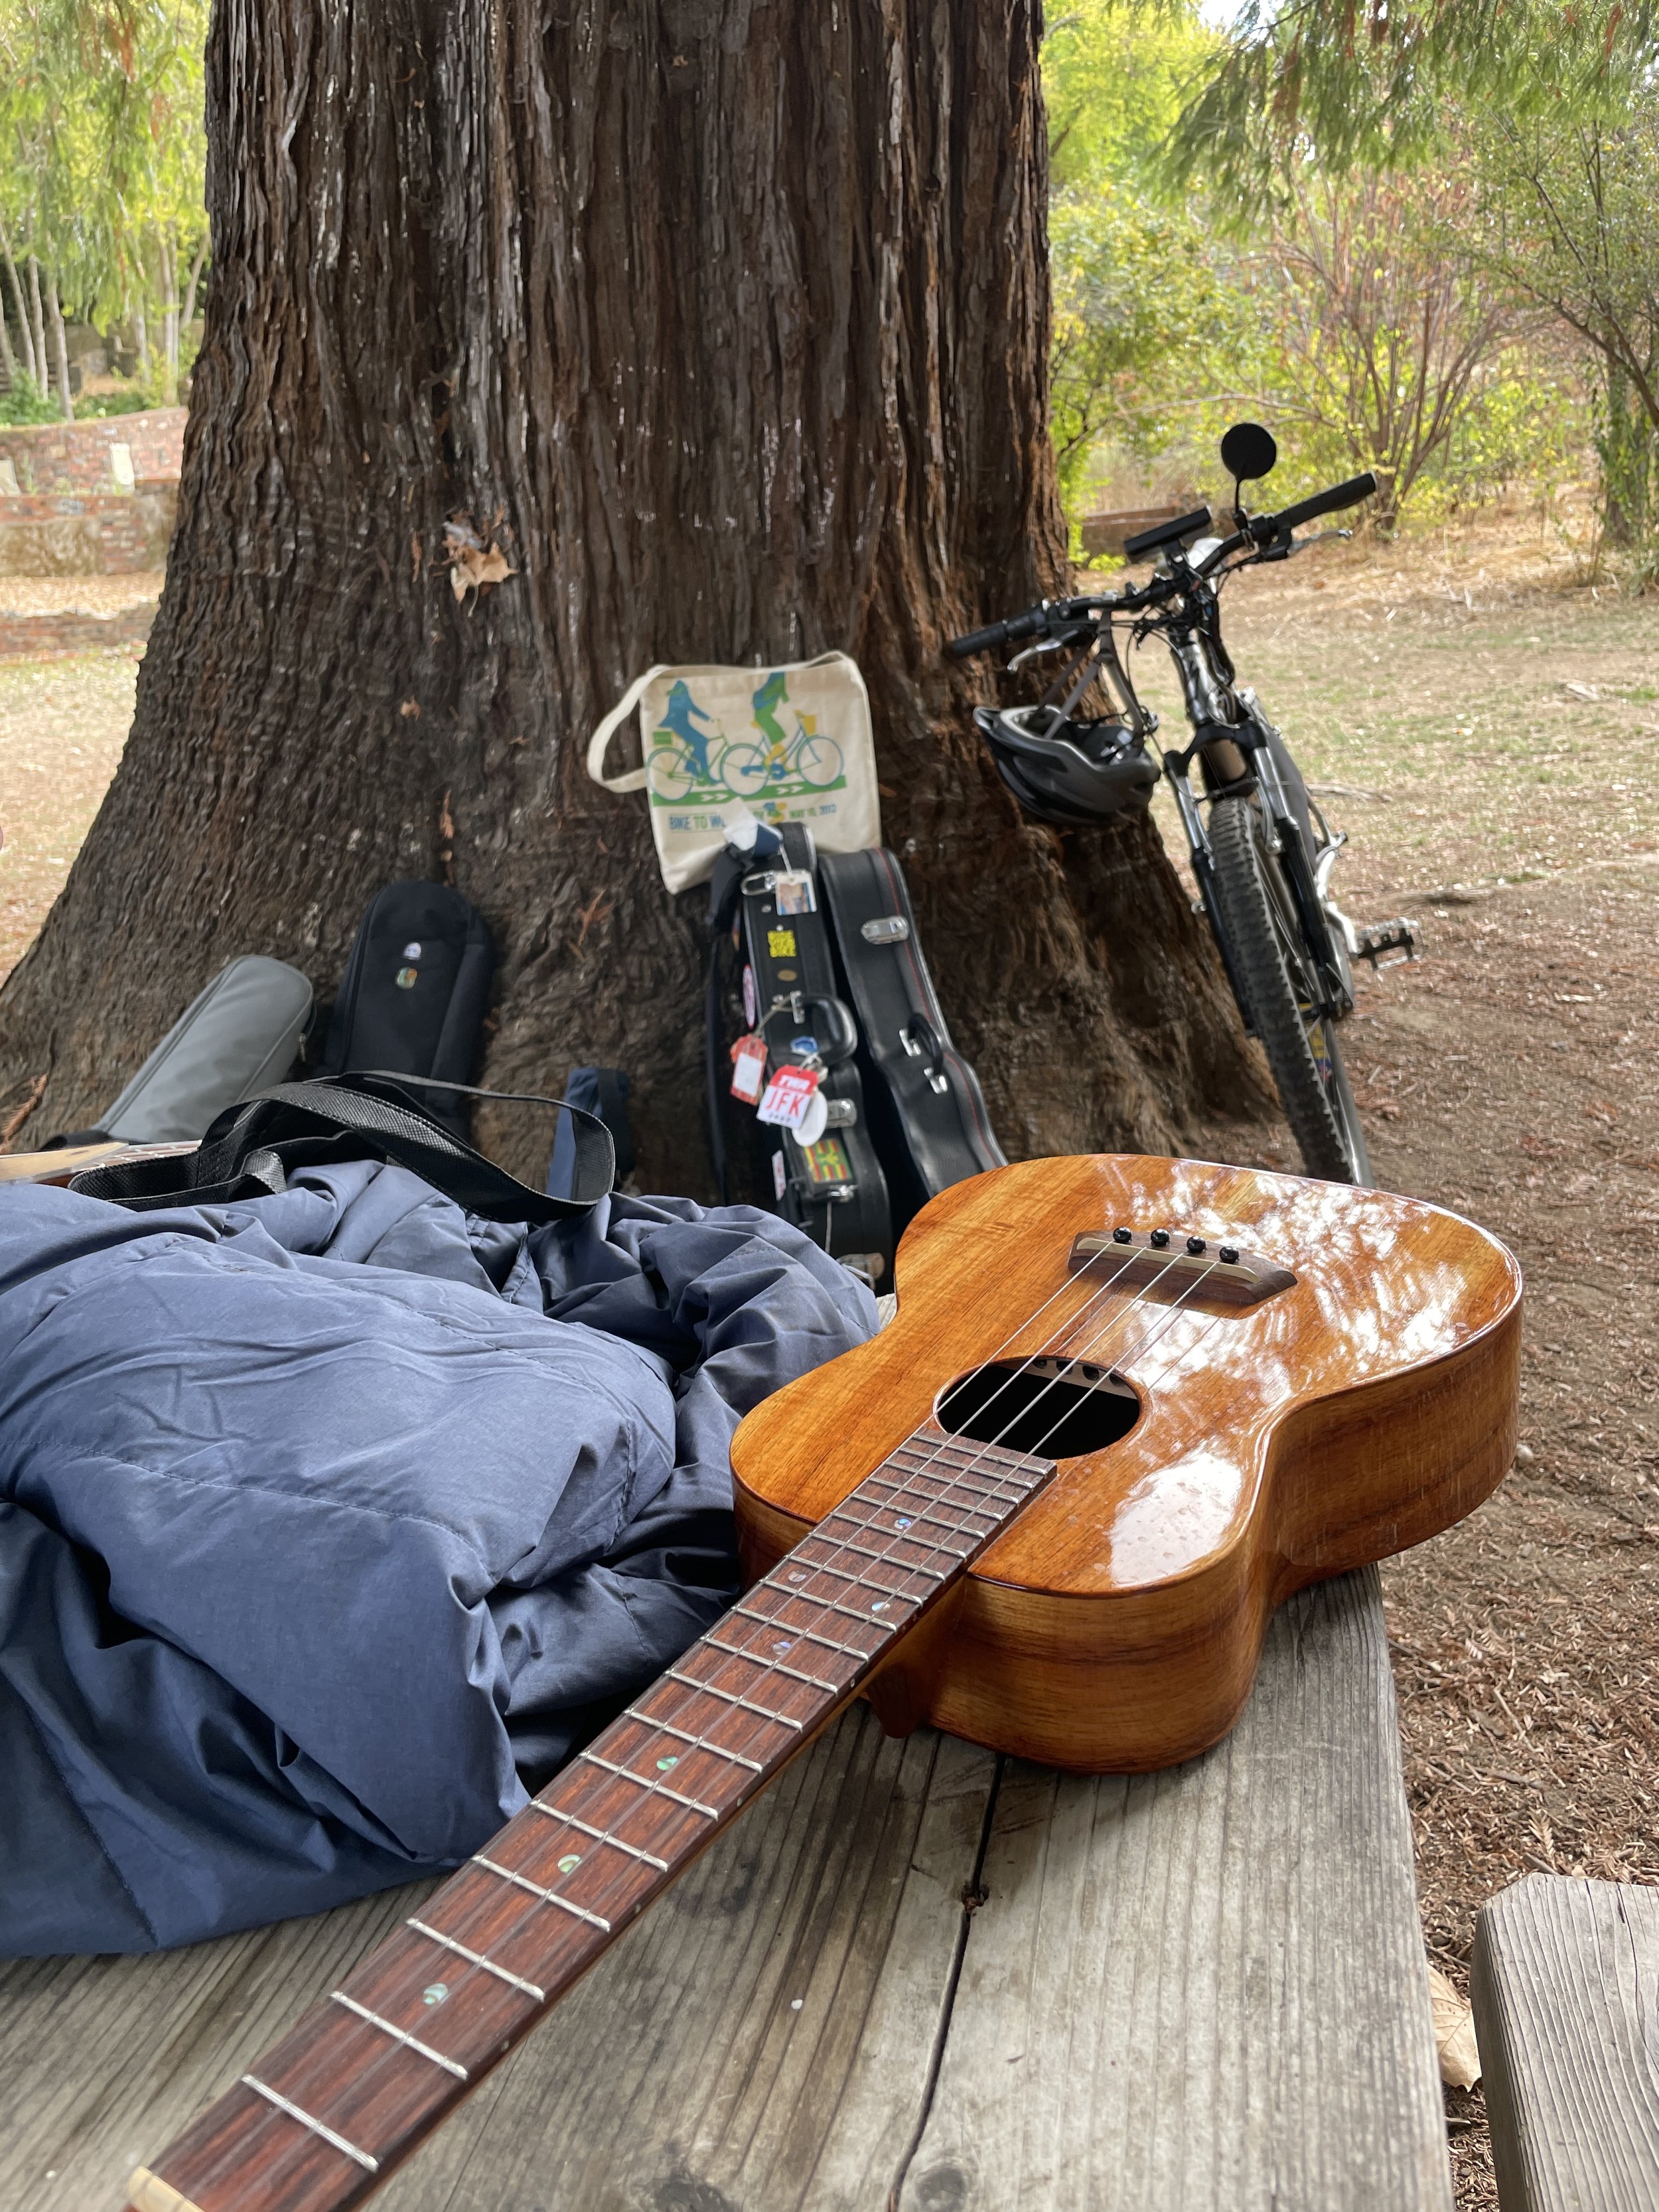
1171 1262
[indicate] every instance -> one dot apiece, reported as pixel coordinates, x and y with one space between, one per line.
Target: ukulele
1127 1407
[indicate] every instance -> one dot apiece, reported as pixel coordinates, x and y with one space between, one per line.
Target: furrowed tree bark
728 322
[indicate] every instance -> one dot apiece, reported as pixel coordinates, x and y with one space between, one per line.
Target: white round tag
815 1121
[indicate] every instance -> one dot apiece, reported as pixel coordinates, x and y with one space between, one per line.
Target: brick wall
68 458
100 534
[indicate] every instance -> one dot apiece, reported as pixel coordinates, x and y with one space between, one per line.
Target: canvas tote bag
788 744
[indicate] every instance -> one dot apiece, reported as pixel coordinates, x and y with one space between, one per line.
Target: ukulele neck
321 2119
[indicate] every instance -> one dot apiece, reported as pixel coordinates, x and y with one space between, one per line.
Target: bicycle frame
1237 752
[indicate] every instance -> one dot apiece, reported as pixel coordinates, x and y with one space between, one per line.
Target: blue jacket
331 1520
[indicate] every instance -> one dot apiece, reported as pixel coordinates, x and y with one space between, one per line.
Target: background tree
729 326
101 153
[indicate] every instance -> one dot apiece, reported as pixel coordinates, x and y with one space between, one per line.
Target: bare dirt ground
1483 721
1492 757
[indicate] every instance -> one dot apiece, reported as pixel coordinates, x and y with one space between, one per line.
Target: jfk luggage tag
793 1101
748 1068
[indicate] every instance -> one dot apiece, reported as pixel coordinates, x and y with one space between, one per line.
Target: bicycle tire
1319 1109
669 772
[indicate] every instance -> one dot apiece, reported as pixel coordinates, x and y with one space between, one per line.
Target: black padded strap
250 1148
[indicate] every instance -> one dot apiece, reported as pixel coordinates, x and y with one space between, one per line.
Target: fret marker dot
435 1993
904 1523
880 1606
570 1861
782 1645
796 1575
663 1764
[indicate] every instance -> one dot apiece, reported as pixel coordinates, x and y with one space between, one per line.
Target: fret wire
977 1474
915 1512
690 1682
846 1544
921 1515
536 1889
852 1574
310 2120
1007 1495
939 1453
399 2034
477 1959
911 1496
795 1674
646 1720
645 1783
995 1500
600 1835
812 1636
852 1611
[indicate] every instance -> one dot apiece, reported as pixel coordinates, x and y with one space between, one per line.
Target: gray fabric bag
239 1037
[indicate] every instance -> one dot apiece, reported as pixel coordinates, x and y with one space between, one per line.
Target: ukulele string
1072 1361
471 1972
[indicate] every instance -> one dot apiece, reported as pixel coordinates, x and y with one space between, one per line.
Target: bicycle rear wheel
1280 982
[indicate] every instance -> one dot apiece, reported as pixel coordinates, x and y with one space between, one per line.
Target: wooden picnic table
915 1975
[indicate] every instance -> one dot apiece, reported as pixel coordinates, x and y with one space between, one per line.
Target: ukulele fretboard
316 2123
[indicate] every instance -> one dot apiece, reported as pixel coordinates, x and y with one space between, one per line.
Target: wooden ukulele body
1116 1625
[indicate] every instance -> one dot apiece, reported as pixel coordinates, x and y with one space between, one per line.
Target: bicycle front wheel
1280 980
820 761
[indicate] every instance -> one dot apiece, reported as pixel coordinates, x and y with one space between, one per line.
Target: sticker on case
792 888
788 1096
750 997
748 1069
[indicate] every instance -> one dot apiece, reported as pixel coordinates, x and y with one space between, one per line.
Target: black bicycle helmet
1066 770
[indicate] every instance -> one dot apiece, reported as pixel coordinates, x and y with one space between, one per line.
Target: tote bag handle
631 778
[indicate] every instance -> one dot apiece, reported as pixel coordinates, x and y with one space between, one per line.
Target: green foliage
26 403
1367 81
101 162
1363 310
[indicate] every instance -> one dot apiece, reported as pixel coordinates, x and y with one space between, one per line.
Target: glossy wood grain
1116 1625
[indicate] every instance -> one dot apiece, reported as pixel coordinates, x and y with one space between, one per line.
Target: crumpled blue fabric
331 1519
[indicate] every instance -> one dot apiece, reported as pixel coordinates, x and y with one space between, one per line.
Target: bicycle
1263 859
750 767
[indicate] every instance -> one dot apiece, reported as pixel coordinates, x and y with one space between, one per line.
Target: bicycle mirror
1248 451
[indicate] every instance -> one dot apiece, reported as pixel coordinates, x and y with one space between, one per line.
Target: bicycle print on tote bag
788 744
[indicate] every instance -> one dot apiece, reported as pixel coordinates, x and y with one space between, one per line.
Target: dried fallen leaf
474 565
1454 2033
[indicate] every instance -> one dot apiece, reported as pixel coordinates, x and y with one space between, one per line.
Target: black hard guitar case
927 1110
833 1190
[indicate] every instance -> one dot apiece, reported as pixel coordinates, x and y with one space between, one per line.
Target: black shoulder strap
248 1150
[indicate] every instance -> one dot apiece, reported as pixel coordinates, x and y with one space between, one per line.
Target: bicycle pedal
1401 936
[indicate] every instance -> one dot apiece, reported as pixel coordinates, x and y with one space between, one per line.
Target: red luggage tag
789 1097
748 1068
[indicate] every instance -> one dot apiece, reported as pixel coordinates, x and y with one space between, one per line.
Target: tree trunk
23 331
728 322
60 347
187 313
7 359
38 327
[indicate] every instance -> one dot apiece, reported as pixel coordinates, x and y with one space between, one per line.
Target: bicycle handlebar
1322 503
1031 624
1271 531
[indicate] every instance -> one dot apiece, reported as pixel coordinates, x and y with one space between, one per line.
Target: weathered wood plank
1205 1987
1565 1985
102 2059
1202 1989
763 2039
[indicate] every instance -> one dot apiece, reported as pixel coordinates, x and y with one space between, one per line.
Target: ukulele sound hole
1051 1408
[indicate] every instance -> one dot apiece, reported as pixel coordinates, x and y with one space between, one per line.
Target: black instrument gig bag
416 990
834 1189
927 1110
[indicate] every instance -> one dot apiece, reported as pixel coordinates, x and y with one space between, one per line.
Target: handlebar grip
1325 503
1030 624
